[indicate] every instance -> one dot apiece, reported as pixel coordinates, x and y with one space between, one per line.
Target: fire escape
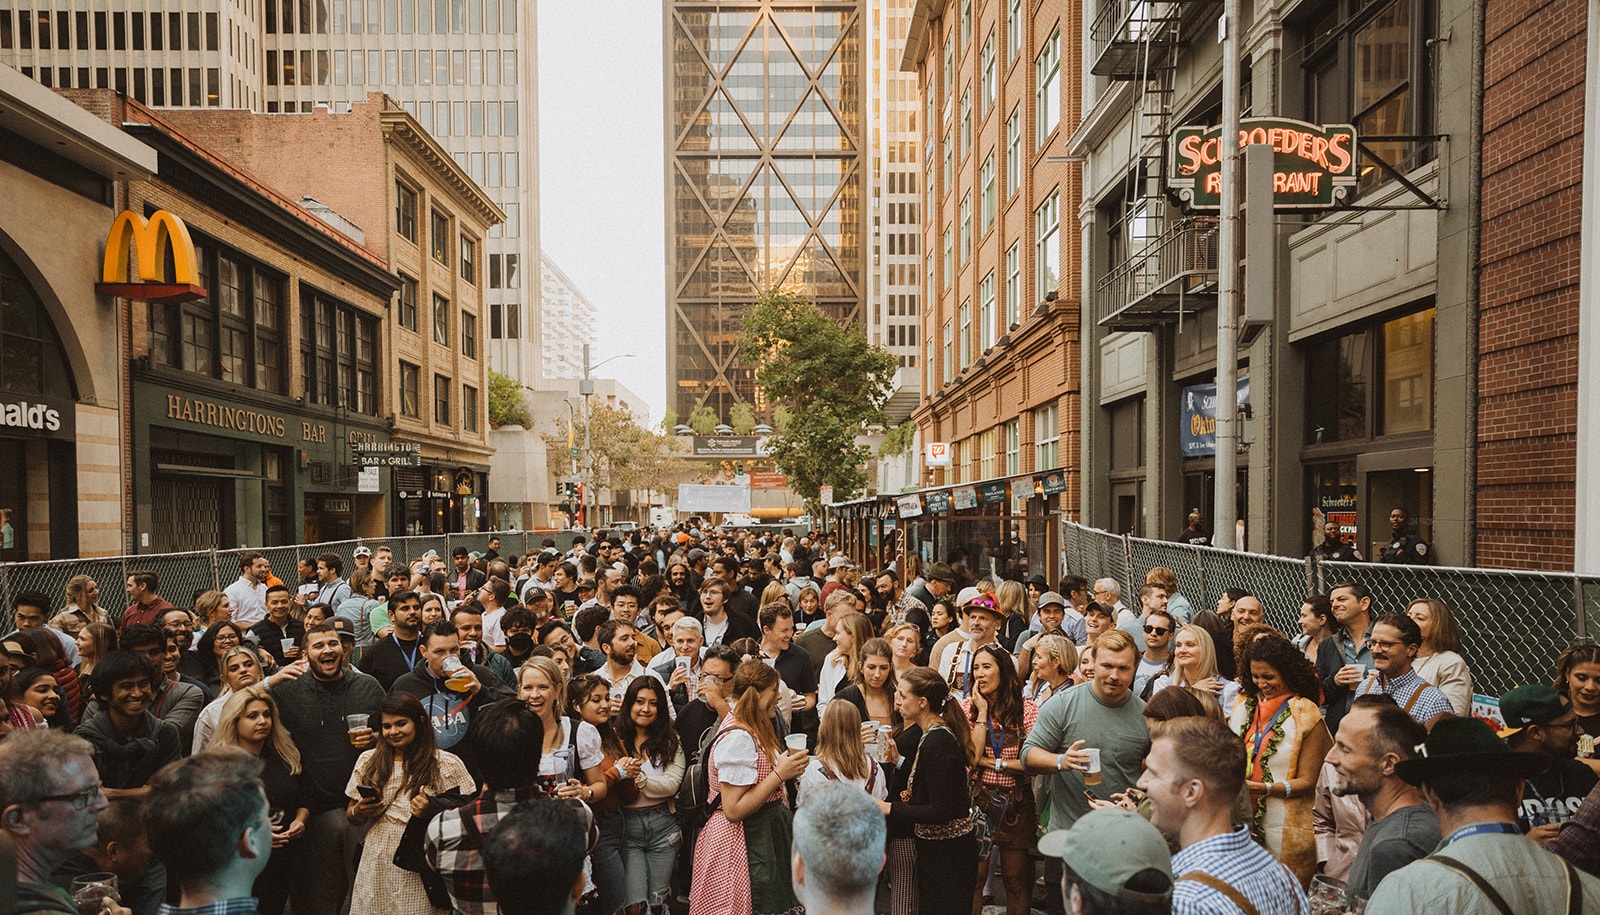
1170 262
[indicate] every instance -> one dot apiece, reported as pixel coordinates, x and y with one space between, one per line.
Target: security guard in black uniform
1333 549
1405 547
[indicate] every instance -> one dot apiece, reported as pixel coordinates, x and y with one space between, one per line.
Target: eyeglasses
1383 646
716 678
79 800
1156 630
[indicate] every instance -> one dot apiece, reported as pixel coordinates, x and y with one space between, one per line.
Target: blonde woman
1194 664
240 668
905 642
83 606
1012 600
210 608
1054 659
1439 660
841 756
842 666
250 721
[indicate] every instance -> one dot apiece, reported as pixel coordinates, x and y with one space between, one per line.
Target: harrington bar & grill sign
1314 166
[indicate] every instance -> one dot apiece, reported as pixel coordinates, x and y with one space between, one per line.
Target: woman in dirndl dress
741 859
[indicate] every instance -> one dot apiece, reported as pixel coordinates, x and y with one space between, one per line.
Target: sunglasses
1156 630
984 602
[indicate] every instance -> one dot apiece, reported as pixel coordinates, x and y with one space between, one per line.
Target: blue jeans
649 849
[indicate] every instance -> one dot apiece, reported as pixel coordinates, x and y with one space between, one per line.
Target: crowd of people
725 722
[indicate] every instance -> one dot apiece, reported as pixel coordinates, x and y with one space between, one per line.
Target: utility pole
586 388
1225 509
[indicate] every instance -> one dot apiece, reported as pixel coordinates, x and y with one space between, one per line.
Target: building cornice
401 129
919 35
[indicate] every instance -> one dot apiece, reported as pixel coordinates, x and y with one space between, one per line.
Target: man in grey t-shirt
1374 737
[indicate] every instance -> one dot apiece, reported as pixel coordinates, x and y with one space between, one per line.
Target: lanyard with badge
411 658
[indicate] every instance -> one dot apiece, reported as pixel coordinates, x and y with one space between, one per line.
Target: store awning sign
143 276
938 502
1314 166
994 493
1053 483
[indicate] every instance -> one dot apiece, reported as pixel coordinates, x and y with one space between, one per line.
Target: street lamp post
586 388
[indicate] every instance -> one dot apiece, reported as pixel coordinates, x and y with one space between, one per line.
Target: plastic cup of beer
356 726
795 742
1091 773
90 892
288 645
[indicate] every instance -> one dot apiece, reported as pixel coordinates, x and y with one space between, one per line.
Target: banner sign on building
1314 165
1198 411
718 446
964 498
702 497
1054 482
938 502
994 493
938 454
908 506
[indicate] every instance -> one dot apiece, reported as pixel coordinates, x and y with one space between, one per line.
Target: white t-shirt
714 633
492 634
559 760
830 678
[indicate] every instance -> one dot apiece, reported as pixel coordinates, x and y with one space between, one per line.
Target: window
410 381
338 353
986 85
1375 381
441 320
966 124
441 237
986 312
469 335
1337 369
949 164
405 211
966 228
988 454
1047 72
1014 152
1013 28
966 333
469 260
986 209
949 257
1013 284
949 352
966 22
469 408
408 303
1013 431
1046 438
1408 373
1046 253
441 400
237 334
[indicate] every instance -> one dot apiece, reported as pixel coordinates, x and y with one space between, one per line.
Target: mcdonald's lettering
142 276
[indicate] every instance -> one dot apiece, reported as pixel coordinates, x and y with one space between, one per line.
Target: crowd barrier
1513 624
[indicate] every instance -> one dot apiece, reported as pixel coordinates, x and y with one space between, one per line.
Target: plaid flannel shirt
454 846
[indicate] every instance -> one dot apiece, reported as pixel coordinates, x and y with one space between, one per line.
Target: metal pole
1225 508
586 388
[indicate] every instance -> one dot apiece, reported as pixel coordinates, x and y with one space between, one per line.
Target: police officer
1334 549
1405 547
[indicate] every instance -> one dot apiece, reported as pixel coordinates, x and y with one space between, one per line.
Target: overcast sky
600 158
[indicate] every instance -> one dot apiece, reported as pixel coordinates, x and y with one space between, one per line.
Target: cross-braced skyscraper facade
765 178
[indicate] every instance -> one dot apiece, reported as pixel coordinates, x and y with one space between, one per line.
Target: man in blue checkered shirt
1395 641
1192 776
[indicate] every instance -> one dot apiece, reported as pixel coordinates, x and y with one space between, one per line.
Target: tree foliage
625 454
704 420
831 381
898 441
506 403
742 417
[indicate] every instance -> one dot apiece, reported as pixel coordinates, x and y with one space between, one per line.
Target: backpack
694 801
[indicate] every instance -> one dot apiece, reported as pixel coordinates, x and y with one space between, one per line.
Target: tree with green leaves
625 454
831 382
703 420
742 417
506 404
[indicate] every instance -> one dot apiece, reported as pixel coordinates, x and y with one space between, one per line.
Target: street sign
768 479
388 459
825 493
1314 164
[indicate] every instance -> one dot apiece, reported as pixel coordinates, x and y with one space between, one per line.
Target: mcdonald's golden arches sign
142 275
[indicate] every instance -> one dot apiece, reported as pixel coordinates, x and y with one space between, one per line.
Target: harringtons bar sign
1314 165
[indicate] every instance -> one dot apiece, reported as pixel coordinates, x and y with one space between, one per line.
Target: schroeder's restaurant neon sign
1313 167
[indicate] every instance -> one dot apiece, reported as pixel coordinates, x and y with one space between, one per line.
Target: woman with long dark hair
872 692
34 688
589 699
934 798
741 859
655 763
215 643
1001 718
387 788
1578 680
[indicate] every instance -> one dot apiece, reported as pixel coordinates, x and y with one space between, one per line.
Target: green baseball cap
1107 848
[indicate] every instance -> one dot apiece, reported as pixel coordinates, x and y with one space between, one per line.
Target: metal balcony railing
1177 269
1129 37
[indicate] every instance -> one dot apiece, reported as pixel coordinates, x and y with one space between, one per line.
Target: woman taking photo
905 646
1316 624
1439 659
1194 663
569 763
94 641
1285 740
842 666
655 763
741 859
388 787
1055 659
249 720
1000 721
82 607
934 798
841 756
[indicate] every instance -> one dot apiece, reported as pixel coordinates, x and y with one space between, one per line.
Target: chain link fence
1513 624
184 575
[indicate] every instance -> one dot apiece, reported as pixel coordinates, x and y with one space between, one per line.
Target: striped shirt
1239 862
1429 701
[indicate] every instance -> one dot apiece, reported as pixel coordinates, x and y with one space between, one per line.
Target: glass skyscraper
765 178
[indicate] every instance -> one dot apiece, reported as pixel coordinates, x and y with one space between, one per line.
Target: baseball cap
345 628
14 647
475 555
585 584
1051 597
1525 705
840 562
362 551
547 554
1108 848
697 554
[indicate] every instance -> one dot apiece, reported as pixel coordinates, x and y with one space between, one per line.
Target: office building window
441 400
1046 438
1047 72
986 86
966 124
949 256
338 353
408 303
236 335
441 320
469 335
410 381
1014 152
405 211
966 333
949 352
1013 432
469 260
986 209
1046 252
441 237
986 335
966 228
469 408
1013 284
1013 28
